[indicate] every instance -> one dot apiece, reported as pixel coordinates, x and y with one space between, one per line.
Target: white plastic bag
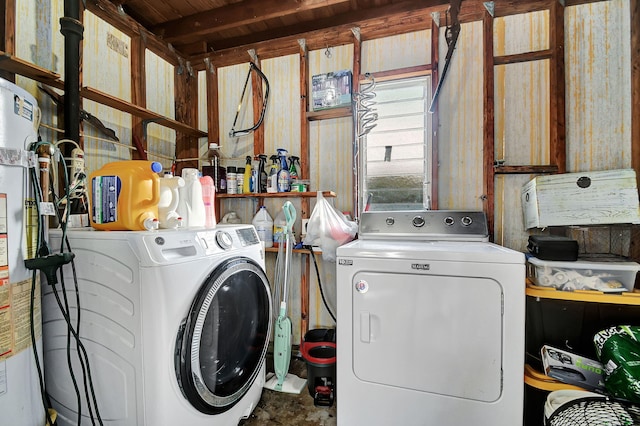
328 228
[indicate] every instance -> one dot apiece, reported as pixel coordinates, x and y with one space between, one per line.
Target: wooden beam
523 57
15 65
526 170
235 15
186 104
138 93
258 103
213 110
557 142
635 87
435 116
488 124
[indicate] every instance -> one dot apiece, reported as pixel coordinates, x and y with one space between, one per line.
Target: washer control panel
425 225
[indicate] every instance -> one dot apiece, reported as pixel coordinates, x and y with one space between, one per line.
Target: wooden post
557 142
186 104
256 85
8 9
634 249
488 124
305 173
138 92
435 118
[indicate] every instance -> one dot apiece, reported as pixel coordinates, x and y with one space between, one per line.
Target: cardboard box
331 90
604 276
572 368
588 198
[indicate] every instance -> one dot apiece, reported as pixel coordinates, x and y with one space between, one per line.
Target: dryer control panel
422 225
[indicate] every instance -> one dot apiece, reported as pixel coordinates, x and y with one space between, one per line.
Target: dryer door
222 343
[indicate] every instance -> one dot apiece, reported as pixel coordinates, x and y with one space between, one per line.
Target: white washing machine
176 325
430 323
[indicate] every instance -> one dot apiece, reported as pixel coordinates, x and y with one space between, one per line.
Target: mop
282 380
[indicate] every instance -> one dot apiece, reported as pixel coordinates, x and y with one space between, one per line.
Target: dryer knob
224 240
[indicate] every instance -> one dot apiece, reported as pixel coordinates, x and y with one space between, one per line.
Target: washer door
222 343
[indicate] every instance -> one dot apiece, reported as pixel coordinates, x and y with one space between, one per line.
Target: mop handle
290 217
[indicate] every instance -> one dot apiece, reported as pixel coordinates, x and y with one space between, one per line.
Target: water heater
20 400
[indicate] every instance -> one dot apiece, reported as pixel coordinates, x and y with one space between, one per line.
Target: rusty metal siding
109 71
598 86
460 135
401 51
161 141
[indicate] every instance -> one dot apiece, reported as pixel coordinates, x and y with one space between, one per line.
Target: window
396 154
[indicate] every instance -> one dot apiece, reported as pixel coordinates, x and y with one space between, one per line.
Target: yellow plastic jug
125 196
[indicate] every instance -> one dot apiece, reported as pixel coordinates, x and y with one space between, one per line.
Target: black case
553 247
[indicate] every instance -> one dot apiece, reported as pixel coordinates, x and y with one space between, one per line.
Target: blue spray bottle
283 172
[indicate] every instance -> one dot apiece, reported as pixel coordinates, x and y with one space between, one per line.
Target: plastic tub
604 276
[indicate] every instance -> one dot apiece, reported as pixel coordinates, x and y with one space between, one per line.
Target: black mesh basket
594 411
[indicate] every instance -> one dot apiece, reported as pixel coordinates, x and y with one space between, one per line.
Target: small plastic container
125 196
606 276
209 199
191 204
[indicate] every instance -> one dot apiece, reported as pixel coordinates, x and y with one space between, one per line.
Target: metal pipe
72 29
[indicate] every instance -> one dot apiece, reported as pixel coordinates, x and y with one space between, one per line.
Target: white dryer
430 323
176 325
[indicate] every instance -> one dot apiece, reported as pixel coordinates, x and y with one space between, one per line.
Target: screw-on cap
213 145
189 174
156 167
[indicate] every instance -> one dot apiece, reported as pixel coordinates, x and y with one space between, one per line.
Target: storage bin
589 198
605 276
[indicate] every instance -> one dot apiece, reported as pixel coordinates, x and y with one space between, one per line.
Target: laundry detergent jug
169 198
125 196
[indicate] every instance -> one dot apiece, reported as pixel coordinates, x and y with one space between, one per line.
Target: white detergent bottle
169 199
191 205
264 226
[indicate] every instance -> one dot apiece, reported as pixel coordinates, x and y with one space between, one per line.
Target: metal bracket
144 126
253 55
491 8
356 33
189 68
303 45
209 66
436 18
562 2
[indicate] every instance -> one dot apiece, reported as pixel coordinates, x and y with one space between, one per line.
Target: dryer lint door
438 334
222 343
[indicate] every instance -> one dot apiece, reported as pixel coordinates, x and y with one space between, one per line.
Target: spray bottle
294 171
272 178
283 172
262 174
246 183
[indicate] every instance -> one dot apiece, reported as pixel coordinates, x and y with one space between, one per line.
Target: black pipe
72 29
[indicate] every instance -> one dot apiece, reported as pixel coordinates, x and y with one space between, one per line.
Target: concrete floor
277 408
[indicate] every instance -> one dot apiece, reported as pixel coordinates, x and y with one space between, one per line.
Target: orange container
125 196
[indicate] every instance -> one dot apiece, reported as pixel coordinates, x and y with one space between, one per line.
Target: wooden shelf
311 194
18 66
626 298
329 114
145 114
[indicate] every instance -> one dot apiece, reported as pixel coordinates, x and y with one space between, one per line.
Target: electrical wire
324 300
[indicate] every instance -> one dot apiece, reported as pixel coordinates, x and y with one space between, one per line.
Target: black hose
324 300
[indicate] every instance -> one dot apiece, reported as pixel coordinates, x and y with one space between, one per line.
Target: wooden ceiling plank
234 16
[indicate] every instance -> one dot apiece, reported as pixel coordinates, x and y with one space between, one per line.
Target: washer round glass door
222 343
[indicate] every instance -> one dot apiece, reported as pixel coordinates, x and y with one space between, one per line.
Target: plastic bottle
283 172
279 224
294 171
246 184
232 180
209 199
262 174
272 178
170 186
191 203
215 169
264 226
125 196
240 179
